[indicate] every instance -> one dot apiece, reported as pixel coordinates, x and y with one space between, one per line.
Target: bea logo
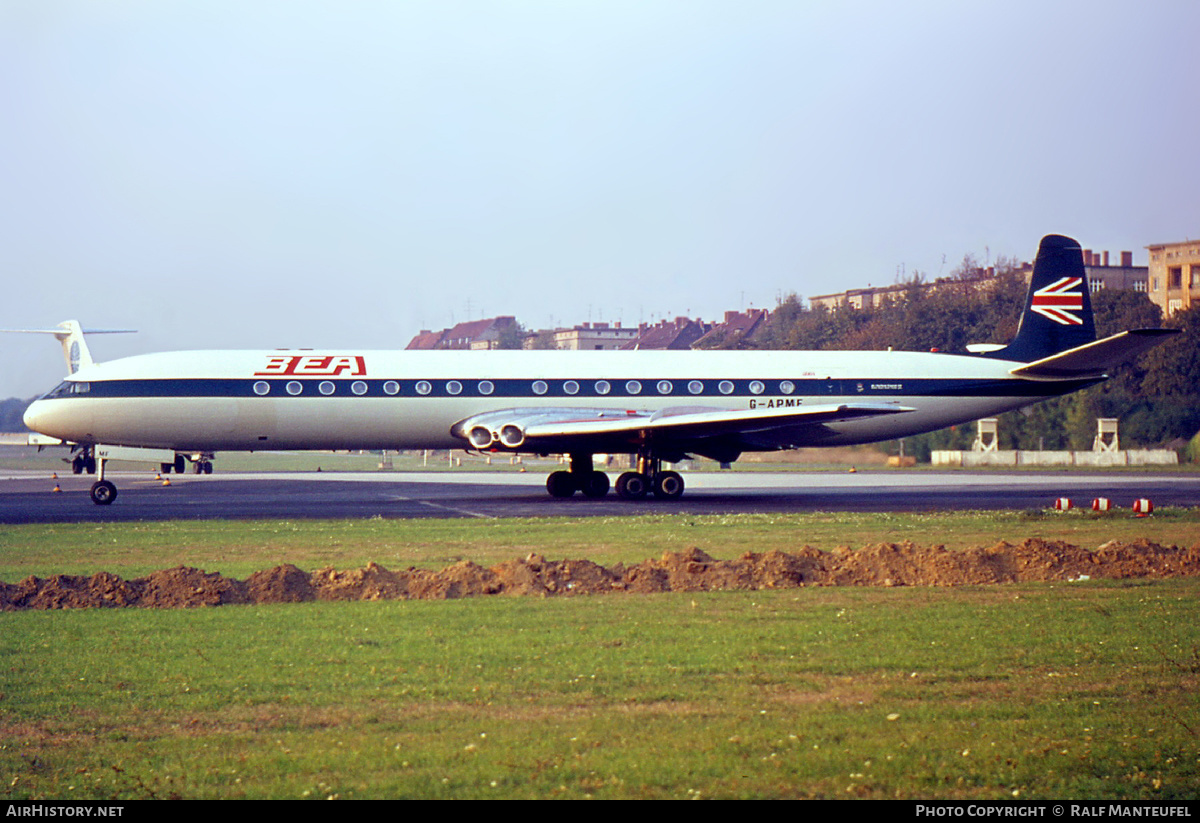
314 365
1060 300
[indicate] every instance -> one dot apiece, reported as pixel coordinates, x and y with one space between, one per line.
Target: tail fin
71 335
75 348
1058 308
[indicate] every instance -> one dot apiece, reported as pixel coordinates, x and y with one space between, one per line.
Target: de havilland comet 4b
660 406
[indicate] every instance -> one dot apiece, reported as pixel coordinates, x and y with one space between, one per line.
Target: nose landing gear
103 492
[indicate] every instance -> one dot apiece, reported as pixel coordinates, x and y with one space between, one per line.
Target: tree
1169 383
543 340
11 412
779 325
512 337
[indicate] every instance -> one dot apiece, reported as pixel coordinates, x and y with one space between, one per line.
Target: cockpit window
68 388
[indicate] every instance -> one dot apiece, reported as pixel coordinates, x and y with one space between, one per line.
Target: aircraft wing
1095 358
717 433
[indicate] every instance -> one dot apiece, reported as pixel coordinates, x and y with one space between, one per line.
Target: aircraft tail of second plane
1058 307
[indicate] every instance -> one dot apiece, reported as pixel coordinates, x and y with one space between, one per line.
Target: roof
736 326
462 335
679 333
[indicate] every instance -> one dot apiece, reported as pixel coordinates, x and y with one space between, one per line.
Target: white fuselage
266 400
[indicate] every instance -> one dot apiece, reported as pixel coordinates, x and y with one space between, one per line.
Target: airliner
659 407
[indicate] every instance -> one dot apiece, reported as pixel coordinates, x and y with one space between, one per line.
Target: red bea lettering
310 365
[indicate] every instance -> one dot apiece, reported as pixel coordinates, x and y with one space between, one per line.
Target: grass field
1068 690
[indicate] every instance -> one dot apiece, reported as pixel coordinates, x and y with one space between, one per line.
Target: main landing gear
631 485
582 477
179 465
83 461
201 464
650 479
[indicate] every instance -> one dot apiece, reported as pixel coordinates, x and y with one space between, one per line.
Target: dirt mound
885 564
282 584
185 587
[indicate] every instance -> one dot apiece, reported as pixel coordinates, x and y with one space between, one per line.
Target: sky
257 174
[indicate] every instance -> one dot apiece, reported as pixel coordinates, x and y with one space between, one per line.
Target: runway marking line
440 506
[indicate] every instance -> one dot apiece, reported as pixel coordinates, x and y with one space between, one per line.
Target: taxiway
28 497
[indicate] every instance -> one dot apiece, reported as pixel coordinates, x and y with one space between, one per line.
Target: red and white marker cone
1101 504
1062 504
1142 507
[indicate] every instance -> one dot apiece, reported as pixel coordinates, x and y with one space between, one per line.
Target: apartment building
594 337
1174 275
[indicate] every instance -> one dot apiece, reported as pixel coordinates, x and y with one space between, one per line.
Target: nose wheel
103 492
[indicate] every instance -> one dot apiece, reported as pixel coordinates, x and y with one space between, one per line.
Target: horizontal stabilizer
1095 358
71 335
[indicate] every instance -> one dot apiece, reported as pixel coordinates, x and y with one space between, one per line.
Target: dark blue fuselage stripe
558 388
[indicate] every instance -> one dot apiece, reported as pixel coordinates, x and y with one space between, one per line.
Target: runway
28 497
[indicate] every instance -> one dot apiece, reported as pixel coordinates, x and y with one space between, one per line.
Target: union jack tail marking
1058 300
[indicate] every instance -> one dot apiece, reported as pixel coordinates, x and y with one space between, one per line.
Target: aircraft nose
44 417
31 415
55 417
